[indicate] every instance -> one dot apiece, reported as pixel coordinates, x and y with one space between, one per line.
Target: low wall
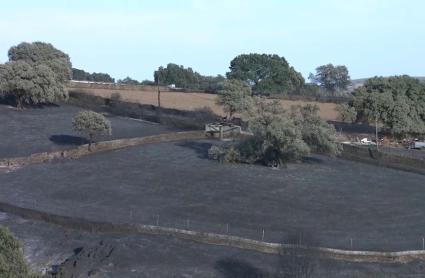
390 160
211 238
100 147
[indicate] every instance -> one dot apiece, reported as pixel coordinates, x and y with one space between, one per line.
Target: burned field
50 129
174 184
332 201
75 254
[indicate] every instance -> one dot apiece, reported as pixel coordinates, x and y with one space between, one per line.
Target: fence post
227 228
351 243
423 243
262 236
157 219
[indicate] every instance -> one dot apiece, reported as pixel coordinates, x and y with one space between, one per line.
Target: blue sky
370 37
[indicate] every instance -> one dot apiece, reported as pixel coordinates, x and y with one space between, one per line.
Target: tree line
266 74
37 73
81 75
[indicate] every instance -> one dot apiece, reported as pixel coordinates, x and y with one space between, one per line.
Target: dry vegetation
194 100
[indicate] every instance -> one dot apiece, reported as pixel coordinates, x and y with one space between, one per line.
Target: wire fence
411 153
269 233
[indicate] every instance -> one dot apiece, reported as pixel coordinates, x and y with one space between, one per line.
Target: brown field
194 100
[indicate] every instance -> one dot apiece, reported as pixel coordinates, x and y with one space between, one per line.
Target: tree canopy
267 74
91 124
186 78
347 113
316 133
43 53
331 78
398 103
234 96
128 81
35 74
280 135
276 136
30 84
81 75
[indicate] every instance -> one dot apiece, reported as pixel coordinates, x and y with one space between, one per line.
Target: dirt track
195 100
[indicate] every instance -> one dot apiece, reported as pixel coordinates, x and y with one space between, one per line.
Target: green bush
12 262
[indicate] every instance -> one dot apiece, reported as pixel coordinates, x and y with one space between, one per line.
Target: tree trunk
90 141
19 104
158 113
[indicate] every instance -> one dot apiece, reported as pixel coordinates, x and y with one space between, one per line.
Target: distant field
194 100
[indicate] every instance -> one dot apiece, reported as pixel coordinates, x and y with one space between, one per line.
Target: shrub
12 262
116 96
232 154
215 153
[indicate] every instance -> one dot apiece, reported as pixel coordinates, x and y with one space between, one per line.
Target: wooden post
376 131
351 243
227 228
158 115
221 132
262 236
159 98
423 243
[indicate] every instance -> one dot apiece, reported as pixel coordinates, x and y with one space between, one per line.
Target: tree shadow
201 148
352 127
68 140
234 268
312 160
11 101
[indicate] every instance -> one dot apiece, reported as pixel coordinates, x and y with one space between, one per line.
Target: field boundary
125 87
390 160
212 238
104 146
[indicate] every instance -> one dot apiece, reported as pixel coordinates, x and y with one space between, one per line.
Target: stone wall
100 147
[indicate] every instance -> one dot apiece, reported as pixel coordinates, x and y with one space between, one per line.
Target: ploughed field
50 129
174 184
194 100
